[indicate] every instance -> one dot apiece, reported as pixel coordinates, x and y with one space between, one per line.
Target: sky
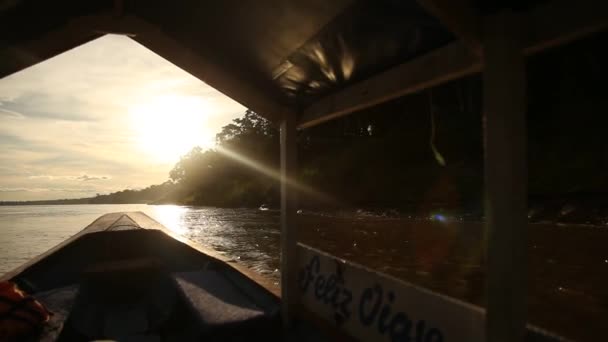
103 117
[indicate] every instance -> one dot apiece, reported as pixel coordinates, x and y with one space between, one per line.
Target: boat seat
222 309
59 301
123 299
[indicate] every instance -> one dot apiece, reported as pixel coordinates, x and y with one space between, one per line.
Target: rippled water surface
244 235
568 265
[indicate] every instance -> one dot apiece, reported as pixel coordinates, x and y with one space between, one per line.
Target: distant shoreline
60 202
571 209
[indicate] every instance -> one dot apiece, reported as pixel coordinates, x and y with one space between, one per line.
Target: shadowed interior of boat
142 285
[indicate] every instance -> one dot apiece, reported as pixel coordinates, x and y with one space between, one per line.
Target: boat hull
126 276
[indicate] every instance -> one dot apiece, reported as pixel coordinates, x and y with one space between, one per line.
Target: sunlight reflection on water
171 216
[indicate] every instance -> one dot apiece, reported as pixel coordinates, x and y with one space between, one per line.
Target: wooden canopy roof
303 62
314 59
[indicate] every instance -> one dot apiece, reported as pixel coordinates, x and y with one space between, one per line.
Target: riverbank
569 209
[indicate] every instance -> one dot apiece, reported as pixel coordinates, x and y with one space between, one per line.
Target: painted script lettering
328 290
373 307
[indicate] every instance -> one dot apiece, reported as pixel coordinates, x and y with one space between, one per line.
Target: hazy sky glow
103 117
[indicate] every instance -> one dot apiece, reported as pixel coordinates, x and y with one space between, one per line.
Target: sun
168 126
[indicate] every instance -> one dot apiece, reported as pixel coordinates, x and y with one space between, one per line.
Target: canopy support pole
289 270
504 88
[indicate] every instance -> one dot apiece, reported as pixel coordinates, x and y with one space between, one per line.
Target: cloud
75 190
11 140
23 189
48 177
10 114
87 178
84 177
32 104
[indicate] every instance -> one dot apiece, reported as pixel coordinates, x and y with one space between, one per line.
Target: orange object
20 314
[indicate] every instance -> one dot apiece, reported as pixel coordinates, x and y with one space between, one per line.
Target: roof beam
119 8
216 76
160 43
73 34
15 58
107 23
439 66
458 17
87 28
562 21
547 26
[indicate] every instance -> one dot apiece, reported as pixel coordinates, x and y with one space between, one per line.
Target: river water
568 265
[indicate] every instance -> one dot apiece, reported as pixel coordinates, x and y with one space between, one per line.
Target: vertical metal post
505 178
288 218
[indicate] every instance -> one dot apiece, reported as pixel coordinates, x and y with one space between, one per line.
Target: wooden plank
547 26
439 66
504 89
289 227
157 41
375 307
459 17
86 28
561 21
76 32
18 57
552 24
119 8
214 75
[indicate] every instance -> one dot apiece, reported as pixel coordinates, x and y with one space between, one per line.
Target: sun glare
169 126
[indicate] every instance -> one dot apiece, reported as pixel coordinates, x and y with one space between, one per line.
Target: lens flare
274 174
